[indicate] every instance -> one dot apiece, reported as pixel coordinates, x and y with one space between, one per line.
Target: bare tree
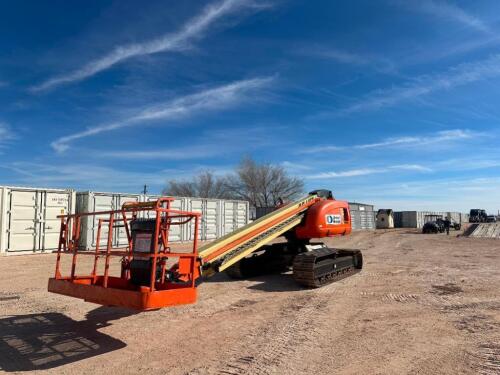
204 185
263 185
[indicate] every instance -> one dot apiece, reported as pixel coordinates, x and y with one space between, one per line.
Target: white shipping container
362 216
235 214
219 217
28 218
90 201
242 213
194 205
211 218
176 231
417 219
229 214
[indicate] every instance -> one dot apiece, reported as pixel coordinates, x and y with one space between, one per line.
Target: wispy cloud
6 134
190 105
447 10
82 175
347 57
424 85
368 171
444 136
477 161
183 153
195 28
335 54
295 167
457 46
206 146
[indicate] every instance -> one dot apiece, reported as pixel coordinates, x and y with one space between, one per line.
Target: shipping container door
356 220
176 231
362 219
121 238
23 222
367 220
212 219
241 217
54 204
175 234
100 203
228 221
196 205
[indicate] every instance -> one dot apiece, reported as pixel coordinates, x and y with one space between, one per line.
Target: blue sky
389 102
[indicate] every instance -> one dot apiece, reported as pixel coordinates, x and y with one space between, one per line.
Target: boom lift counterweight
152 276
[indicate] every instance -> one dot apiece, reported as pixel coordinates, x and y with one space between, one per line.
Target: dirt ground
423 304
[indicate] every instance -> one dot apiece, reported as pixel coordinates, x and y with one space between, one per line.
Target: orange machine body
170 277
325 218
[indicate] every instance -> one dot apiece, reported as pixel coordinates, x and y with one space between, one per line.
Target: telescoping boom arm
226 251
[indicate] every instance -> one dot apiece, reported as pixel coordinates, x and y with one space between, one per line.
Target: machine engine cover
326 218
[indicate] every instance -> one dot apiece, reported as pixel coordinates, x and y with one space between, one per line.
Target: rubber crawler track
324 266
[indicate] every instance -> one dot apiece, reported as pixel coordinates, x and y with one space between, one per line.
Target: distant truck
478 216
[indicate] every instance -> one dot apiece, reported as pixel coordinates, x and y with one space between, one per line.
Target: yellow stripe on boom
258 233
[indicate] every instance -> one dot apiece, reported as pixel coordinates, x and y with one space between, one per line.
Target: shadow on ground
49 340
282 282
274 282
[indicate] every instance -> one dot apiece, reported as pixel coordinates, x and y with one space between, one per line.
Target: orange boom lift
152 276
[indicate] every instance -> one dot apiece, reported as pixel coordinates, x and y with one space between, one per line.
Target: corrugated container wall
398 219
262 211
362 216
176 231
218 216
417 219
90 201
235 214
28 218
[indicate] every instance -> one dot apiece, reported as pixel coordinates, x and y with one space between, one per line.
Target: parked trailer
28 218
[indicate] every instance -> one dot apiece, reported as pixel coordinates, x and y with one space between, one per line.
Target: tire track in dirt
473 316
487 358
271 346
469 314
400 297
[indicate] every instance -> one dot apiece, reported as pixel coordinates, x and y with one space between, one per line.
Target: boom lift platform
153 276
